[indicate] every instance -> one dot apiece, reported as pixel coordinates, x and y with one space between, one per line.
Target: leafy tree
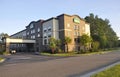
67 40
3 35
52 44
58 44
2 45
101 31
85 40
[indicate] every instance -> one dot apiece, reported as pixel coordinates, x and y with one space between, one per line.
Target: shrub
95 46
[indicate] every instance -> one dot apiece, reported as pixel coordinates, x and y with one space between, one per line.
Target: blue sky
16 14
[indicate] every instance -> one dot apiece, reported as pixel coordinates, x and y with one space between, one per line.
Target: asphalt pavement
46 66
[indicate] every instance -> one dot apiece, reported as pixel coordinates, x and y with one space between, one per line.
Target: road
56 66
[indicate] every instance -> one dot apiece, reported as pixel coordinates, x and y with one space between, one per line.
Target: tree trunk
52 50
67 48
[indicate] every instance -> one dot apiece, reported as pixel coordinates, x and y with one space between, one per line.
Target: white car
13 51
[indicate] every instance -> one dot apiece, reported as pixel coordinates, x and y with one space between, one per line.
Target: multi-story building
58 27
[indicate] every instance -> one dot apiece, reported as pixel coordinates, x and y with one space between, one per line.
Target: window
27 33
78 33
76 40
38 29
38 35
75 33
49 35
45 41
45 36
68 33
83 28
49 29
68 25
76 27
33 36
33 30
45 30
31 26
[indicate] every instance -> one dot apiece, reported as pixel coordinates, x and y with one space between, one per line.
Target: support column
7 47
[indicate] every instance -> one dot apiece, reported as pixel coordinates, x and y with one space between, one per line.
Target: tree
58 44
3 35
85 40
95 46
101 31
2 45
52 44
67 40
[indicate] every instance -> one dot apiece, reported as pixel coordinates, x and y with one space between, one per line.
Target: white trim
65 29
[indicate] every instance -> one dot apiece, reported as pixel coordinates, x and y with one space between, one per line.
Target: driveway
27 58
60 67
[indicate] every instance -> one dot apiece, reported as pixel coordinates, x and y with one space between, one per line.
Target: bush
81 51
58 50
6 53
95 46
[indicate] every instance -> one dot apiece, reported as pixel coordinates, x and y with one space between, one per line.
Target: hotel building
58 27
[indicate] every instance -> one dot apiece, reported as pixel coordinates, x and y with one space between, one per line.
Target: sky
15 15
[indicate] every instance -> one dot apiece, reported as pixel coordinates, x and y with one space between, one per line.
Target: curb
99 70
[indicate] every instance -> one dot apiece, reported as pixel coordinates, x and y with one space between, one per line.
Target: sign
76 20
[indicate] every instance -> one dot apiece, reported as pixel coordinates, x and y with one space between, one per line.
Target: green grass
74 53
1 59
111 72
59 54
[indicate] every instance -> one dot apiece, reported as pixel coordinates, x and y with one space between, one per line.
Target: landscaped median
74 53
111 72
2 60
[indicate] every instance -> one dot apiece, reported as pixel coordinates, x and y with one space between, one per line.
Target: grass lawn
111 72
1 59
74 53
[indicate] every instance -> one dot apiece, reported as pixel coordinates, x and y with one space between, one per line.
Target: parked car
13 51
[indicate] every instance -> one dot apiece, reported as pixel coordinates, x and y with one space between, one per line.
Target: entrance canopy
11 40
